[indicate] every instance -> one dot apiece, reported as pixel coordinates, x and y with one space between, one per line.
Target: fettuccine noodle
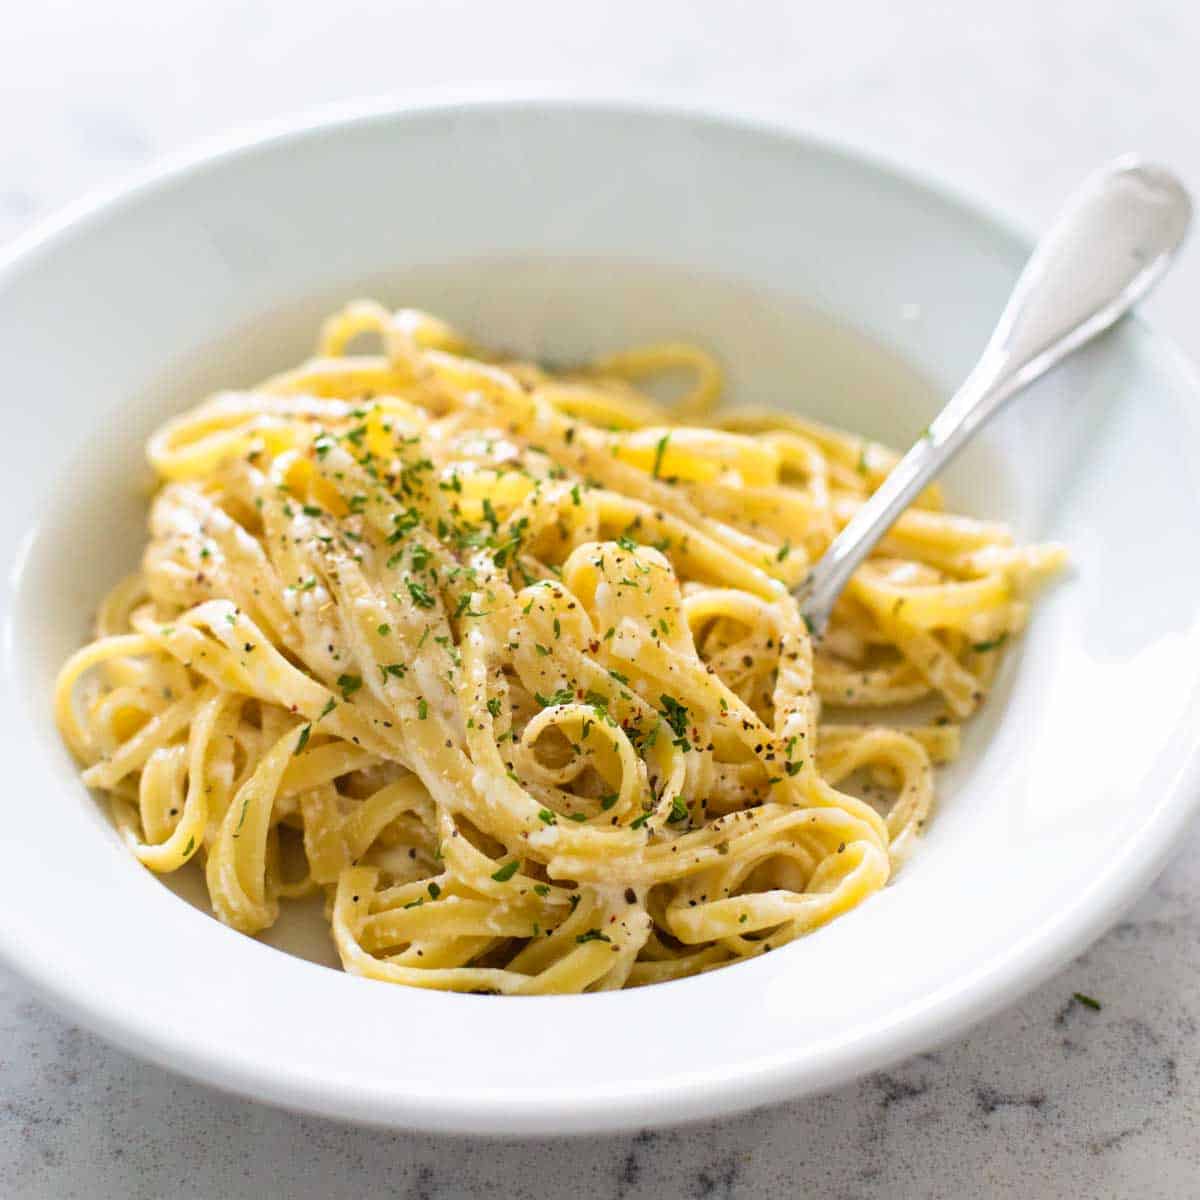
504 663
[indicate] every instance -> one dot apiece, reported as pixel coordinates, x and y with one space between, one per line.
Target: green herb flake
660 448
302 740
489 514
675 713
679 811
506 872
994 644
420 597
1087 1001
349 684
592 935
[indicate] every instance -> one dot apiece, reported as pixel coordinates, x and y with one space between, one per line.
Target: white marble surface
1012 102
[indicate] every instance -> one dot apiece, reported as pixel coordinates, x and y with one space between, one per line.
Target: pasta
504 663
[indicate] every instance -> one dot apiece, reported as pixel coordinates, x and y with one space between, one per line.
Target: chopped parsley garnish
1087 1001
542 889
384 630
793 768
606 802
592 935
420 556
434 890
676 714
562 696
547 816
398 670
994 644
311 510
489 514
493 706
405 522
330 705
507 871
640 821
349 684
784 551
302 740
422 708
420 597
619 677
626 543
660 448
679 811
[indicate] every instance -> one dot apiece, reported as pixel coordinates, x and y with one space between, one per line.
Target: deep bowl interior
826 284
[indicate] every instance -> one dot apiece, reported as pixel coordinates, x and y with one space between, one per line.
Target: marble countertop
1009 102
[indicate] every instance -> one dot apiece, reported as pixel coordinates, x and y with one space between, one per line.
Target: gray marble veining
1011 102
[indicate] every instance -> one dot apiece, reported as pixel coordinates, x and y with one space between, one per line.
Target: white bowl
563 228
